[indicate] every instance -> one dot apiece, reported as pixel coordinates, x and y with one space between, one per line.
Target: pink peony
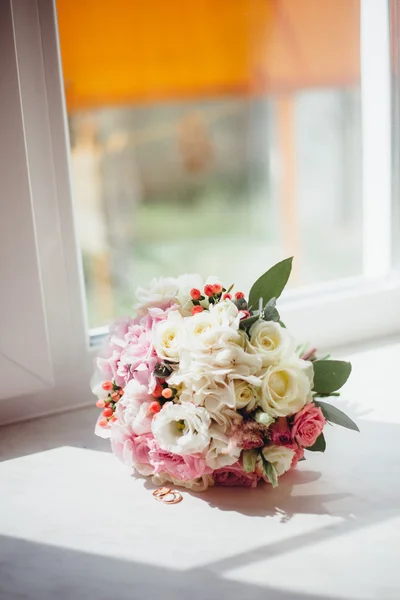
298 454
131 449
234 476
185 468
307 425
280 433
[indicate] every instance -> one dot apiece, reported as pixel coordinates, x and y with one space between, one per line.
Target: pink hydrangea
110 355
234 476
129 353
308 425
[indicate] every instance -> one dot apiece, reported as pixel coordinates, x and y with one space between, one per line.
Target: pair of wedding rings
167 496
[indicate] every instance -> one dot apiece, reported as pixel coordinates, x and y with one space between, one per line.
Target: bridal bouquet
205 386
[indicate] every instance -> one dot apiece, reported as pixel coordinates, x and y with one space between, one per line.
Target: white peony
159 293
221 452
280 457
271 341
167 337
286 387
182 428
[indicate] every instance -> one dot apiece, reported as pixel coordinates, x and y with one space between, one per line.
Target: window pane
212 137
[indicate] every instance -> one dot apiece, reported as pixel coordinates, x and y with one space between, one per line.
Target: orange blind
128 51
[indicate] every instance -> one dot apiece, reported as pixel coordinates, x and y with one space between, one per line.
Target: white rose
246 395
159 293
280 457
185 284
133 408
286 387
167 337
203 331
273 342
182 428
221 452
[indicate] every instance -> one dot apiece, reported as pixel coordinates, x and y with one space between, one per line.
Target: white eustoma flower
159 293
280 457
286 387
271 341
221 452
167 337
133 408
182 428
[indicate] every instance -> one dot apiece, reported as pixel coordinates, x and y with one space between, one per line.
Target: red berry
103 422
239 295
113 419
108 412
209 290
115 395
227 297
121 392
157 390
195 293
244 314
100 404
167 393
154 407
107 385
197 309
217 288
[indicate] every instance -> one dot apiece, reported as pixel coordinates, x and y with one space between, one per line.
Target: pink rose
280 433
234 476
185 468
307 425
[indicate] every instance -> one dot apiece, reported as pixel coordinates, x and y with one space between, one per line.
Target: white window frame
50 367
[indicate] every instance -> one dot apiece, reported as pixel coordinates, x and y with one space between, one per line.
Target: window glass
212 137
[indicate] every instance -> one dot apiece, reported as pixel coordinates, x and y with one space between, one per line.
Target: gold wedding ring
167 496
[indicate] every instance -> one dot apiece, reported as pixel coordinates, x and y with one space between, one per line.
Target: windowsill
73 519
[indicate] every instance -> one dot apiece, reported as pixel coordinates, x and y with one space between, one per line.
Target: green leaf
270 312
271 284
334 415
249 458
248 322
319 445
269 471
330 375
